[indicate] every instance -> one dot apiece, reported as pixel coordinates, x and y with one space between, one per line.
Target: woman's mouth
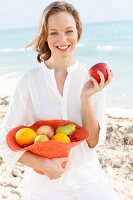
63 48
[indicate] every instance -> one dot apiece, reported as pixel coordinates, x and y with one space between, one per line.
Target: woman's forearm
34 161
53 168
89 121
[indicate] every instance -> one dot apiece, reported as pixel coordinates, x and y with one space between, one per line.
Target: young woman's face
62 34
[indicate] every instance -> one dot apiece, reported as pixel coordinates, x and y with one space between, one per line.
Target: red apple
46 130
101 67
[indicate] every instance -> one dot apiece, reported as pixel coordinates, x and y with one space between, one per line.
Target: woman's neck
59 64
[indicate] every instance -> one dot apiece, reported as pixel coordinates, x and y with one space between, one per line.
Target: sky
26 13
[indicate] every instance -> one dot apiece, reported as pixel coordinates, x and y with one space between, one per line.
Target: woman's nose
63 37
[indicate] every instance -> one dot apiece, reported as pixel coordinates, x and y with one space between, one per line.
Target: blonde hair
40 41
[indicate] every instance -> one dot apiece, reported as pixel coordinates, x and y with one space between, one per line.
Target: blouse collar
51 71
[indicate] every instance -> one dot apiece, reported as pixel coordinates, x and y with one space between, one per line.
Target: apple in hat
40 138
46 130
103 67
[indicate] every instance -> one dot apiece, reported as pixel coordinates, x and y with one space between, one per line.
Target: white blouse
36 97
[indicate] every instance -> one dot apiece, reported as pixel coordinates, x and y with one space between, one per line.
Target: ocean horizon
109 42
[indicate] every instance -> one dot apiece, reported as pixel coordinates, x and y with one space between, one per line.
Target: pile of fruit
27 136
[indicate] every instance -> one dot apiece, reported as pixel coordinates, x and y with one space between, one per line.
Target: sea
109 42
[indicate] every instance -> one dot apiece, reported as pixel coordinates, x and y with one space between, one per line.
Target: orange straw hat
48 149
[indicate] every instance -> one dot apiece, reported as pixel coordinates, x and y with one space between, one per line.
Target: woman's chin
63 55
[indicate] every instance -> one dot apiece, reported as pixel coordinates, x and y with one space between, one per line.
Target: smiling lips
63 48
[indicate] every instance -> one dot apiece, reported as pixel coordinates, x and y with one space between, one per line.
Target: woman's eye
53 33
70 31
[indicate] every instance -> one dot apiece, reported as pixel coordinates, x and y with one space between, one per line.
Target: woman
59 88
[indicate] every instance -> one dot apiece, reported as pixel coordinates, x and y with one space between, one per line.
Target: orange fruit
25 136
61 137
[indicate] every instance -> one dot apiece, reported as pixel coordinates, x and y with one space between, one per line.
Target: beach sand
116 157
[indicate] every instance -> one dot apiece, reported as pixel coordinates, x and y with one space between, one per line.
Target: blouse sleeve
15 116
99 107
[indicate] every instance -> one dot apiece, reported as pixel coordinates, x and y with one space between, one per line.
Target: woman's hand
54 168
92 86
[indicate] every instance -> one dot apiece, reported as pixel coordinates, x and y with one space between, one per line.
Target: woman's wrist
85 98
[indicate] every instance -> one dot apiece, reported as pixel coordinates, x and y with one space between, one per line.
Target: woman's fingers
110 77
63 164
53 175
96 85
102 82
59 164
56 167
92 86
94 81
